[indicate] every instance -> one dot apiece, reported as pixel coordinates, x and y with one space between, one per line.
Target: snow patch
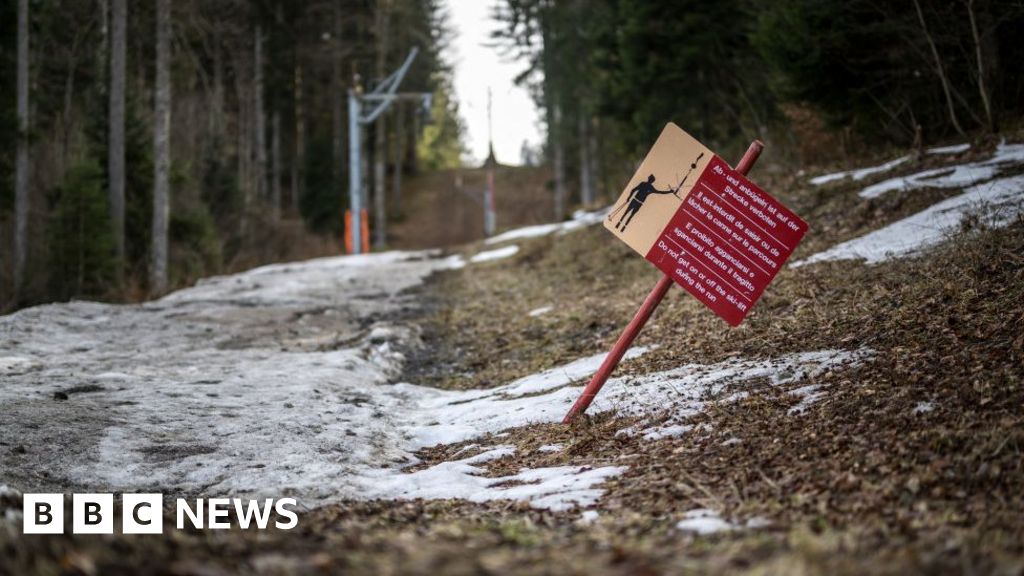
671 431
11 365
550 448
580 219
923 407
557 488
996 203
808 395
540 311
860 173
445 417
496 254
953 149
705 521
951 176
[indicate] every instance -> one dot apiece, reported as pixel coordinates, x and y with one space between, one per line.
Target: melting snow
997 203
496 254
860 173
923 407
953 149
671 431
550 448
951 176
580 219
556 488
704 521
276 382
540 311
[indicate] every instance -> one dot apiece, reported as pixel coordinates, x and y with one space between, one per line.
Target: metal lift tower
376 102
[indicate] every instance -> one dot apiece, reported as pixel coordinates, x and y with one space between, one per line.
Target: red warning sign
723 241
727 241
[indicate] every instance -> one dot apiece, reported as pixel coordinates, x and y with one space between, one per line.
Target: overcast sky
478 67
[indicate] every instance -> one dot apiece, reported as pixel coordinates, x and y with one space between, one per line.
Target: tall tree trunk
939 69
411 158
216 118
338 110
558 161
244 145
299 155
260 116
115 144
380 217
22 165
596 164
399 149
586 169
990 124
275 164
161 149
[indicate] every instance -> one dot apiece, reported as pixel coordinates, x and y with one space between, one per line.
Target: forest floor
865 418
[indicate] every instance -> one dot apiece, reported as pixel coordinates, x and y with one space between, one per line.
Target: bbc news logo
144 513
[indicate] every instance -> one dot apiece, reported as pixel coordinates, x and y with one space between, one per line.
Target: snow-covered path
253 383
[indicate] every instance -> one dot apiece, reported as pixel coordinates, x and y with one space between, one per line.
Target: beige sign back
640 215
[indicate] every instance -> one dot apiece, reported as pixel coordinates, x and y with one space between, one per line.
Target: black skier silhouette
636 200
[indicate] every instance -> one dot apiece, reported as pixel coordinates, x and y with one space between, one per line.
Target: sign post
710 229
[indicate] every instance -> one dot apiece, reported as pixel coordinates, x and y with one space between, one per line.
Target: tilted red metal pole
642 315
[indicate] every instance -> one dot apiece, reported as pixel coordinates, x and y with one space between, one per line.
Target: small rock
60 396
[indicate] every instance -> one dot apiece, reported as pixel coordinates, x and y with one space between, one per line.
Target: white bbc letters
142 514
92 514
43 514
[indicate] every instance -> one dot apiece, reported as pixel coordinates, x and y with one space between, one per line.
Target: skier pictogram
641 191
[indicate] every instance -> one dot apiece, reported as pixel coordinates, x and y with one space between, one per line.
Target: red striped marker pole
642 315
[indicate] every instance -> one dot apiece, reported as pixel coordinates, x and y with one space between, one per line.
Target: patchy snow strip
580 219
540 311
562 375
670 431
496 254
446 417
704 521
952 149
997 203
923 407
550 448
860 173
808 395
952 176
556 488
